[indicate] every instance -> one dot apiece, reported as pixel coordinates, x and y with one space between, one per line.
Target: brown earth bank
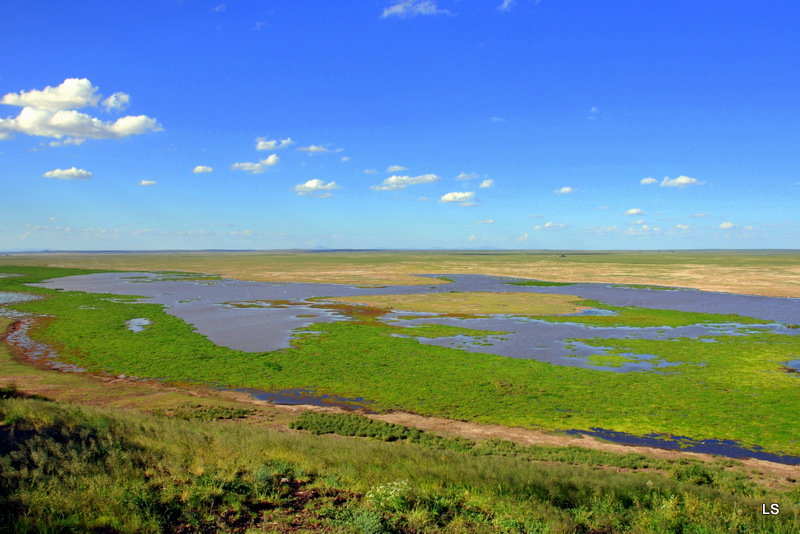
768 273
34 377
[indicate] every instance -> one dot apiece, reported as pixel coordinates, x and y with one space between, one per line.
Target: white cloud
68 174
523 237
550 225
370 171
466 176
487 221
345 158
699 216
314 186
727 226
313 149
52 112
634 211
535 216
487 183
262 143
422 199
410 8
74 93
117 101
682 226
602 207
200 169
395 183
396 168
473 237
256 168
464 197
497 119
680 181
648 181
564 191
220 8
639 221
68 141
147 182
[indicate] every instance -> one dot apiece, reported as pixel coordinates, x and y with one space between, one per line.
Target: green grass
65 468
732 389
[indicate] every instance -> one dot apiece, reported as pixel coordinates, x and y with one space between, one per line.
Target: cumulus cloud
682 226
564 191
200 169
262 143
466 176
456 196
345 158
487 183
550 225
473 237
680 181
396 168
395 183
313 149
410 8
256 168
634 211
648 181
74 93
117 101
52 112
147 182
315 186
727 226
523 237
68 174
487 221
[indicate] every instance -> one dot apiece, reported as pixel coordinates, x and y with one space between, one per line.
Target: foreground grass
69 468
735 388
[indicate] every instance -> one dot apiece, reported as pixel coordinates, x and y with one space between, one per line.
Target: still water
215 310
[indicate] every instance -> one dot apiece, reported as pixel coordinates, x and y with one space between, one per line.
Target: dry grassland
770 273
476 303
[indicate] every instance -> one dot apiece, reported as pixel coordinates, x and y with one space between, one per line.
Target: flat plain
730 387
769 273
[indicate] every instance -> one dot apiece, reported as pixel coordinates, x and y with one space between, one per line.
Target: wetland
639 361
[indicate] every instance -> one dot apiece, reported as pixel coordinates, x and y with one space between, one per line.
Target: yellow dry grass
478 303
775 273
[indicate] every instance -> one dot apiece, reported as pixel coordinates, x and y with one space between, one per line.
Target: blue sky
518 124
